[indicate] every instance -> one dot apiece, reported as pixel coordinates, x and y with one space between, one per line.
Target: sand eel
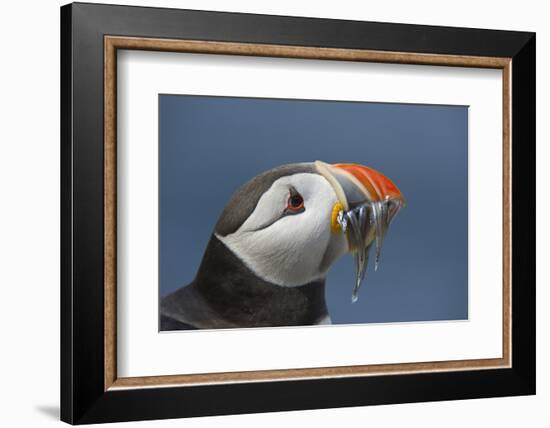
266 261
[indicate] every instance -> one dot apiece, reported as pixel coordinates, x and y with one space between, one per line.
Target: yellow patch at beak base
334 225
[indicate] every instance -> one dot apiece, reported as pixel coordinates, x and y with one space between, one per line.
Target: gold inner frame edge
113 43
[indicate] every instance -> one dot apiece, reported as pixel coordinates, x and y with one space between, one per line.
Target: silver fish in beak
368 201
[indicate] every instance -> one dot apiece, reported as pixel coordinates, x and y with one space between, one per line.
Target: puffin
269 253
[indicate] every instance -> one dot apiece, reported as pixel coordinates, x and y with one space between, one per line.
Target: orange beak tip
377 185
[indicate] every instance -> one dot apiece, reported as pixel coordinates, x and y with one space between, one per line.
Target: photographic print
287 212
328 191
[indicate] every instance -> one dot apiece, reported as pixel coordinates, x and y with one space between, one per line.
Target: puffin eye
295 202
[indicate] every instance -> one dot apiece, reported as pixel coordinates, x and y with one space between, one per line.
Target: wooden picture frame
91 390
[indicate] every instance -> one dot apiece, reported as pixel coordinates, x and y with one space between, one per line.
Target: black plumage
226 294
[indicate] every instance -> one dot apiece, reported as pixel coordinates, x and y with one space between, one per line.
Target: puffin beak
356 185
367 203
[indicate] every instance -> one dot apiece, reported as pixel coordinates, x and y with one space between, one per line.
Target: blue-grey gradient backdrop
209 146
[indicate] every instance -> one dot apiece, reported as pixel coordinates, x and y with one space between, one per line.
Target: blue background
209 146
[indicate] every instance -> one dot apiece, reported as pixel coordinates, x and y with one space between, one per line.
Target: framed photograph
265 213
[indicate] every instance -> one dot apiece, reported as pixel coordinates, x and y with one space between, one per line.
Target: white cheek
290 251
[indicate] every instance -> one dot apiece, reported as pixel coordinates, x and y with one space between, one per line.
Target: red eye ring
295 202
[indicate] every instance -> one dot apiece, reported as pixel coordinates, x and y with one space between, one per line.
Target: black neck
238 296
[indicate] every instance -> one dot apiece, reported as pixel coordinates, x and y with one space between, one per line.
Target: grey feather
244 200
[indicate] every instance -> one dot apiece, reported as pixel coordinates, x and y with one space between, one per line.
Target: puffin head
288 225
